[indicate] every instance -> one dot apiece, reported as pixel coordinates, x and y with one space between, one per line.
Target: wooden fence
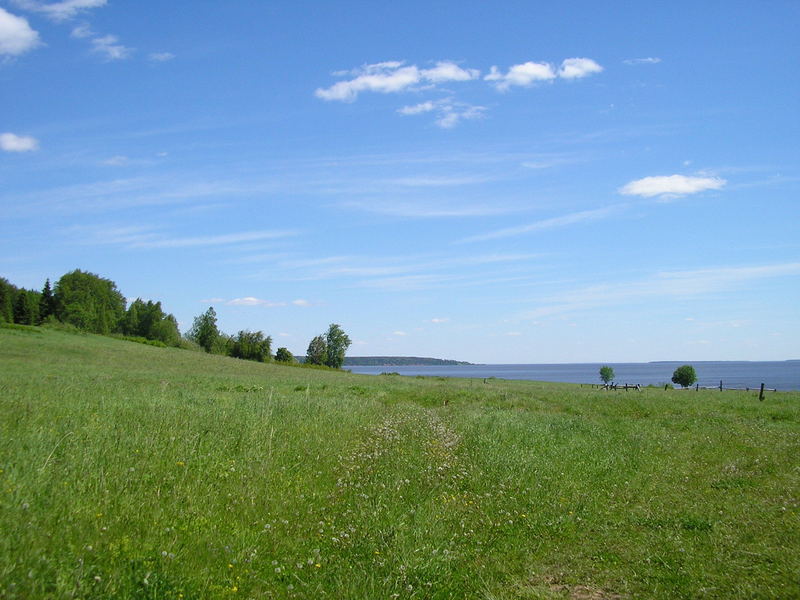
697 387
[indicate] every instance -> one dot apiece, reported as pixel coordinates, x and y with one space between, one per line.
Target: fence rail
697 387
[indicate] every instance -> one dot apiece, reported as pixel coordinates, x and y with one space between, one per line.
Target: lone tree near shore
337 342
684 376
606 374
317 353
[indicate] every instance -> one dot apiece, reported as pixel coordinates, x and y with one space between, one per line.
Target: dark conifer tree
47 302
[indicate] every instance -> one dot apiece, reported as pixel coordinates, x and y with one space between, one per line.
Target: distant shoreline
399 361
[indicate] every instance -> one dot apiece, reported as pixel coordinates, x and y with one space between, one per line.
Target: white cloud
650 60
116 161
671 186
525 74
82 31
440 320
562 221
417 109
575 68
400 333
251 301
109 47
60 11
160 56
302 303
11 142
449 71
450 113
16 36
390 77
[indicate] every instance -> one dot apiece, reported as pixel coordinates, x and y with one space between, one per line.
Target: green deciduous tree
89 302
684 376
283 355
204 330
317 353
252 345
148 320
606 374
337 343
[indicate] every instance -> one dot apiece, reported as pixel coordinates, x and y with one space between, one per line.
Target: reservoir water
781 375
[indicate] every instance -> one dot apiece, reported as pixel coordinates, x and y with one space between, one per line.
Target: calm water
783 375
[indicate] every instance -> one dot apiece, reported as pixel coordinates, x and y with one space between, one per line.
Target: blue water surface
782 375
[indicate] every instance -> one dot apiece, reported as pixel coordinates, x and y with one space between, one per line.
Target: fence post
761 393
696 387
720 385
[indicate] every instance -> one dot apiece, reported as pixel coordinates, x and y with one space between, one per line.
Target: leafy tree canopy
283 355
684 376
204 330
89 302
337 343
252 346
148 320
606 374
317 353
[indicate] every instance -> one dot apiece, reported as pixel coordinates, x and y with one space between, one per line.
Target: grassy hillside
128 471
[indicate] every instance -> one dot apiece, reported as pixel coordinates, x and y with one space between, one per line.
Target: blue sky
491 182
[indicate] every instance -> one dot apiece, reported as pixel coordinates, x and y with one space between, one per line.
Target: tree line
92 303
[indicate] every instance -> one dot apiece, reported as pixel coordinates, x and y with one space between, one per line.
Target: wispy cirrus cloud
429 210
544 224
671 186
665 284
107 46
11 142
160 56
16 35
449 112
650 60
60 11
252 301
146 237
214 240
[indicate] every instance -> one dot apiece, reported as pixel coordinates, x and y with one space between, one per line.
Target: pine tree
47 302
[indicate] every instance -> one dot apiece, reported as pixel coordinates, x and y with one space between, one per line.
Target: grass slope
128 471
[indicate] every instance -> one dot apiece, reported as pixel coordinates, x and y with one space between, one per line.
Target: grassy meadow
130 471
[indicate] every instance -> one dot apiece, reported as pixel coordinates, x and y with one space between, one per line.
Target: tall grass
129 471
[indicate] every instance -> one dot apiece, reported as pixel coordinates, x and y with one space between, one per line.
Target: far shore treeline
83 301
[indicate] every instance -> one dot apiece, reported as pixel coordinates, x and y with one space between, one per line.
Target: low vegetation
133 471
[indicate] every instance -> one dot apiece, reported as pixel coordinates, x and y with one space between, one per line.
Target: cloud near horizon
16 35
252 301
671 186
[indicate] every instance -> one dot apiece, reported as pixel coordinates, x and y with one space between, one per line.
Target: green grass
130 471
